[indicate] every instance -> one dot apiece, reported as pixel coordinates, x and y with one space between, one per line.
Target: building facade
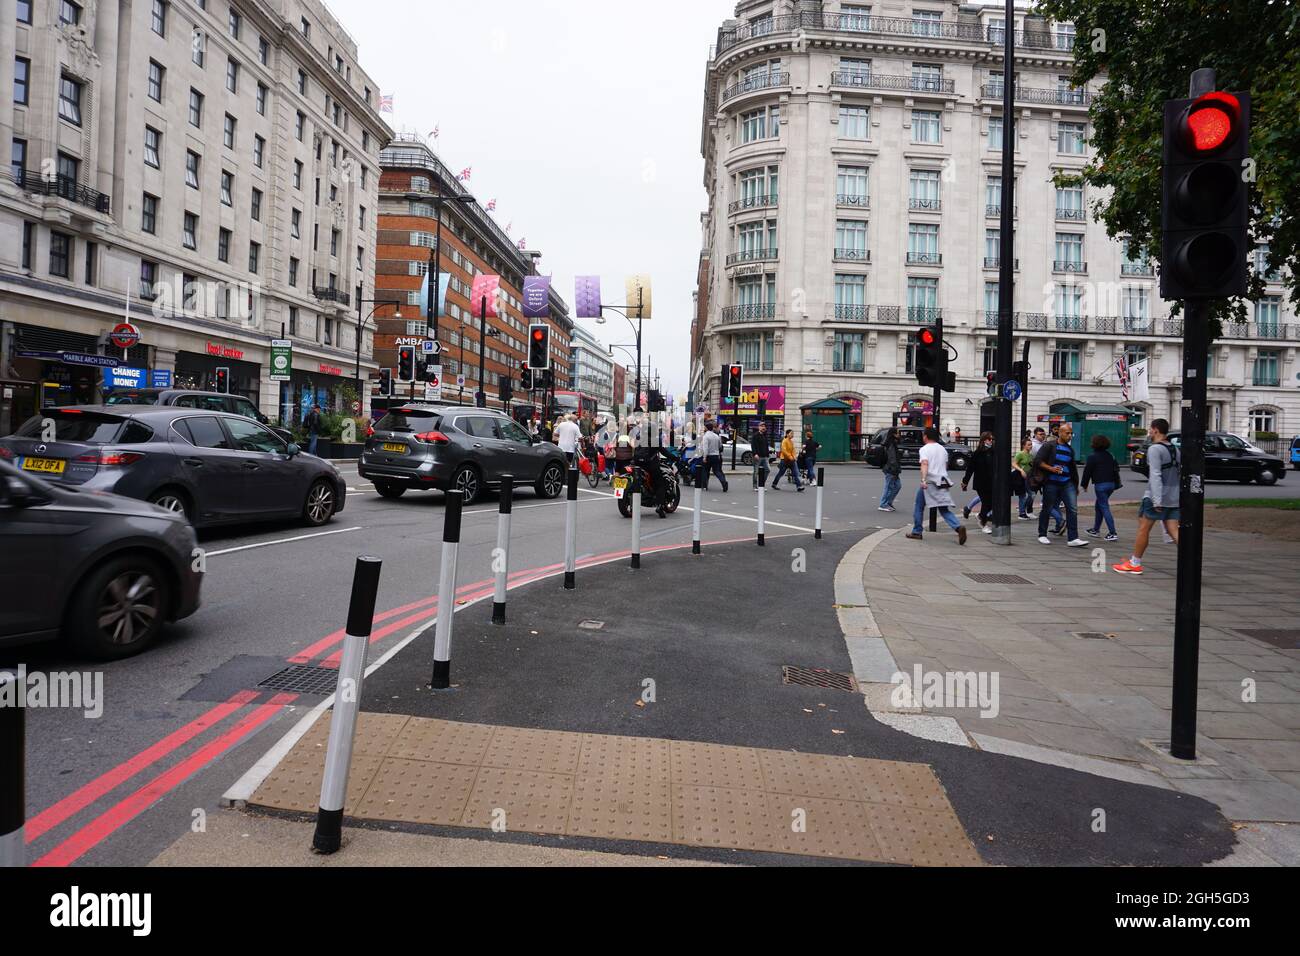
593 367
416 190
853 165
216 164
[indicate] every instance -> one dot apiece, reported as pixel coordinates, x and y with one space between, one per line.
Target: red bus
582 405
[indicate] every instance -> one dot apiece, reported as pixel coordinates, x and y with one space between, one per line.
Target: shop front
198 370
332 387
771 398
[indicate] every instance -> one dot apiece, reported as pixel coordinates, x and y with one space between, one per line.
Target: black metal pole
1006 291
1024 398
640 307
361 290
435 254
1187 613
938 385
480 396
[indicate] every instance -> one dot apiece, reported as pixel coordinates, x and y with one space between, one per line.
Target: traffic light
525 377
429 371
991 383
733 380
386 382
406 364
932 361
1205 215
655 401
1020 373
505 389
539 346
223 380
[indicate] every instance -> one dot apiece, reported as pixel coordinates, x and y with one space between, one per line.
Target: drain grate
1284 638
998 579
304 679
1094 636
817 677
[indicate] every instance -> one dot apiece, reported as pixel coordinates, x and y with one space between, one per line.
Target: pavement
1084 657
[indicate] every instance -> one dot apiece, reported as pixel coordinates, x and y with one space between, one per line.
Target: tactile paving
631 788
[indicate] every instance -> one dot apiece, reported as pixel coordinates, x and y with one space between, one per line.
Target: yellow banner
638 297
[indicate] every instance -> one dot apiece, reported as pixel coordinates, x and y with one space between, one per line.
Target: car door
34 543
1237 458
1220 465
524 458
274 483
211 467
485 445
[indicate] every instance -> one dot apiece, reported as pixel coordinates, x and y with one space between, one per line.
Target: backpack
1036 474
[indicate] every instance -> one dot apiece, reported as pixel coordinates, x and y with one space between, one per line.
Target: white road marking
267 544
719 514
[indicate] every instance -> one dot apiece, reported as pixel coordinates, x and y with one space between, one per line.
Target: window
923 242
232 75
306 28
855 122
223 245
854 17
190 231
228 132
760 124
300 125
18 158
1069 252
361 257
227 188
848 355
1268 363
68 170
1267 312
293 320
233 24
996 125
24 11
927 77
1134 352
927 23
92 259
327 331
261 99
259 151
926 126
334 242
756 350
69 13
69 100
155 84
149 214
990 356
850 294
302 82
1069 307
922 299
152 147
923 189
22 77
1069 202
1067 361
1069 138
148 279
60 255
198 47
297 174
254 256
160 17
1065 36
263 51
196 108
295 223
191 169
1263 420
850 239
255 211
1135 304
851 185
29 242
992 303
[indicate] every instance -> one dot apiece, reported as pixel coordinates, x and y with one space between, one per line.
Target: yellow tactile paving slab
415 770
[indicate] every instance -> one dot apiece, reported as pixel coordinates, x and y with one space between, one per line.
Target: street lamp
636 331
435 254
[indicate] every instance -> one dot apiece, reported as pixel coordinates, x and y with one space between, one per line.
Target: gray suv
426 447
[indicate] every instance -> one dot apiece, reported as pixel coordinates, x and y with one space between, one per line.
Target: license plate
395 448
48 466
620 483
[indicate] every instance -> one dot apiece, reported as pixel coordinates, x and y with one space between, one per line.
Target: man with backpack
1161 501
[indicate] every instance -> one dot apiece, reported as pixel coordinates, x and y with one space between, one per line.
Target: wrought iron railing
63 187
760 312
884 81
885 26
752 255
752 202
852 255
918 315
925 258
752 84
1069 265
326 294
853 199
993 211
851 313
1072 214
930 204
1137 269
995 262
1027 94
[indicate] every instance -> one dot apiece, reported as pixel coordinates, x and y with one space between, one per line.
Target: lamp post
636 331
438 200
361 324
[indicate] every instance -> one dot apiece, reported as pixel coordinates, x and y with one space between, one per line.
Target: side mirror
294 451
16 493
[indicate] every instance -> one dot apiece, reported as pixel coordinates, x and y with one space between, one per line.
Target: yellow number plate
620 483
49 466
394 447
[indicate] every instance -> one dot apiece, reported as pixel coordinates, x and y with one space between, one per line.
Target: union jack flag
523 244
1121 367
465 174
492 205
434 134
386 103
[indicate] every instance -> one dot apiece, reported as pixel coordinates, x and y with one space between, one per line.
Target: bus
578 403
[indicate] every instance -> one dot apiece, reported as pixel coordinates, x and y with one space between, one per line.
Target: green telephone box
1113 421
829 420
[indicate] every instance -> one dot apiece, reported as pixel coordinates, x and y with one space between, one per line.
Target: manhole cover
998 579
1285 638
304 679
1094 636
816 677
591 625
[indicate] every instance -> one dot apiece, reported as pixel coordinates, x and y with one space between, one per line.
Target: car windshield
414 420
1232 441
132 398
95 428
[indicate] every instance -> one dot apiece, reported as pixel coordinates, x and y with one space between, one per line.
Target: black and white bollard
762 515
821 486
13 772
347 704
501 559
571 534
695 521
447 592
636 519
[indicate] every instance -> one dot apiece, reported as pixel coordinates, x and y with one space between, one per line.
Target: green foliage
1145 51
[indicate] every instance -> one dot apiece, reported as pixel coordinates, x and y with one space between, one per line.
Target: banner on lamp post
537 297
444 281
638 297
485 287
587 297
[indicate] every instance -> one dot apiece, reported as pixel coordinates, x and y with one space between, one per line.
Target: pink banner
773 401
485 287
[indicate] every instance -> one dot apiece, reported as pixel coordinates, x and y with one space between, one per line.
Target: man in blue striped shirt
1060 485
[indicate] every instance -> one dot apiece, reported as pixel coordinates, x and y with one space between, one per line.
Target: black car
102 571
910 441
189 398
1227 458
213 467
423 447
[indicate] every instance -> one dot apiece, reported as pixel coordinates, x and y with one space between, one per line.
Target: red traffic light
1212 122
538 335
737 369
926 336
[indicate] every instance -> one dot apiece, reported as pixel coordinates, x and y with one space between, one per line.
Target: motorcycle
651 470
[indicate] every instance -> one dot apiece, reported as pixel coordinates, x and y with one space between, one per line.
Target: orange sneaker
1128 568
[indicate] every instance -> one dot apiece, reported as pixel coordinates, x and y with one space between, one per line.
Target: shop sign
125 377
415 342
160 378
330 369
281 360
225 351
124 335
81 358
773 397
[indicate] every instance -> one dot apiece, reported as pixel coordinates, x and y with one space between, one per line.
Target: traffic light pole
1024 400
938 382
480 396
1006 290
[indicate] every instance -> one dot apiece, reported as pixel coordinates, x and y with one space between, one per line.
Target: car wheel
119 609
747 459
173 499
320 504
391 491
1266 477
551 483
468 483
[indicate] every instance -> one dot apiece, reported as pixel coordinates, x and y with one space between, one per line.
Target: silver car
427 447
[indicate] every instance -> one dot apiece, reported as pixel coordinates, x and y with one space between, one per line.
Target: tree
1144 51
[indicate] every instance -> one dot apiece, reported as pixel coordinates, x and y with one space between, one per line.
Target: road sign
124 335
460 381
433 391
281 360
431 347
1011 391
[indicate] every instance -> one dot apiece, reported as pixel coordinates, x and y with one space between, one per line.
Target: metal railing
852 255
762 312
1071 214
923 316
853 199
62 187
752 84
885 26
862 79
992 211
1028 94
753 202
1137 269
1069 265
925 258
851 313
326 294
995 262
930 204
752 255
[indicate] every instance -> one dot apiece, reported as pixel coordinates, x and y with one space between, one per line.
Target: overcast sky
581 118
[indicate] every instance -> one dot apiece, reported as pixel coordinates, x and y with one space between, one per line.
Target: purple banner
537 297
587 297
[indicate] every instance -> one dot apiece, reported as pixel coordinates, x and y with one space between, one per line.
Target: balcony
857 24
852 255
918 315
752 202
331 295
851 313
752 255
1069 265
925 258
752 84
880 81
993 91
995 262
929 205
1072 215
1071 323
1137 269
994 211
735 314
853 200
62 187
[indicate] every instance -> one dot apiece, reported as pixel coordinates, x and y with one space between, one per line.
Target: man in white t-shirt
567 436
935 485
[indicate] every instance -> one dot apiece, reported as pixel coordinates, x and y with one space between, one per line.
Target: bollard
347 704
13 772
934 520
503 549
821 486
695 522
762 514
571 534
441 679
636 519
